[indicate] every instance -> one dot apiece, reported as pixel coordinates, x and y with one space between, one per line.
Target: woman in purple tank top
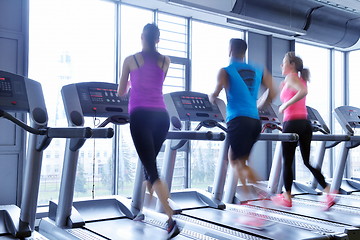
293 97
149 120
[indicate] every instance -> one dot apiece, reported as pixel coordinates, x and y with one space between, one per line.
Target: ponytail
305 74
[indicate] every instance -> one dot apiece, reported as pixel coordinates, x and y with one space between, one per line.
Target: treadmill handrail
330 137
68 132
285 137
195 135
355 138
319 129
22 124
102 132
185 136
354 142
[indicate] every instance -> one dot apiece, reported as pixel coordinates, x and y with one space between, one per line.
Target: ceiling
334 23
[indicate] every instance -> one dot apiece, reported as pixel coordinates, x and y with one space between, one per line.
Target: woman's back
147 81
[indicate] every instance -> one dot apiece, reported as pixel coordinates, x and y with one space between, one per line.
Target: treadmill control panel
103 96
194 103
97 99
268 114
348 117
13 95
317 122
5 87
192 106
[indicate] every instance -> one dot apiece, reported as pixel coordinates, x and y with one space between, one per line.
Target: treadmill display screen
5 87
106 96
195 103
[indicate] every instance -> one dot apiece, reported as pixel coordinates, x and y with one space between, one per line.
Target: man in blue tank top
241 82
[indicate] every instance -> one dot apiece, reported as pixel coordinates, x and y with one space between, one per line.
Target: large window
318 61
338 85
338 100
173 42
173 37
72 41
132 23
354 89
210 53
68 45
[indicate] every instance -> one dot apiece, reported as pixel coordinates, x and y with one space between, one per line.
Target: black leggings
148 130
302 127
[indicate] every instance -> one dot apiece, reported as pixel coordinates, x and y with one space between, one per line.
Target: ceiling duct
334 27
288 13
323 23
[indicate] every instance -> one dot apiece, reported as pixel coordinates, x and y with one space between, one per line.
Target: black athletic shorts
242 133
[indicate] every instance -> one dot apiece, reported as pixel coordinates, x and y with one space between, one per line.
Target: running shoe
280 200
140 217
172 229
330 201
252 222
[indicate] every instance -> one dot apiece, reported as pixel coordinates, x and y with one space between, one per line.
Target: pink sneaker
280 200
252 222
330 201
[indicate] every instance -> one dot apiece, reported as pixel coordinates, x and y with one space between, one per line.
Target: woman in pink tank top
293 97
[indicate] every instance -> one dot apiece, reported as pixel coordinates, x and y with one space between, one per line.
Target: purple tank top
146 84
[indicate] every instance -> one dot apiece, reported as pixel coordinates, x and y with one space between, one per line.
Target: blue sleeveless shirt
242 93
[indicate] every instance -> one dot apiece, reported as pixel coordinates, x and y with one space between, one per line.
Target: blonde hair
304 72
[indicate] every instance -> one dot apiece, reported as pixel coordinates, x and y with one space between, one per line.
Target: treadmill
105 217
21 94
349 118
318 125
207 208
233 193
190 227
349 184
327 141
310 205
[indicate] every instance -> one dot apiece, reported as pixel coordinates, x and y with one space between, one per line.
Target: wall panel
13 52
8 178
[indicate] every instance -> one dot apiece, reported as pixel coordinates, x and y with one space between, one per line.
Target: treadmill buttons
5 87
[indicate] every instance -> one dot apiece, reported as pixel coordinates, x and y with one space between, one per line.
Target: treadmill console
192 106
348 117
268 114
317 122
95 99
13 95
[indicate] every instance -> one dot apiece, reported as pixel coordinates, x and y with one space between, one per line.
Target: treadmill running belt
346 200
231 220
338 213
128 229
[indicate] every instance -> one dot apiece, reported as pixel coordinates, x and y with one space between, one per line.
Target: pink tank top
146 84
294 111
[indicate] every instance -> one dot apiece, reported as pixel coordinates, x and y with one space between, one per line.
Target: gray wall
267 51
13 58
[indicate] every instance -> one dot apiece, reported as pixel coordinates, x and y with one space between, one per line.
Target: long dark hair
304 72
151 34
